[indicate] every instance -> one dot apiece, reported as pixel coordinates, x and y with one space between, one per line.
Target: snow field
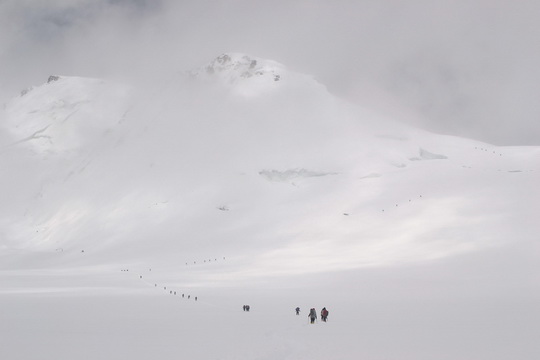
241 189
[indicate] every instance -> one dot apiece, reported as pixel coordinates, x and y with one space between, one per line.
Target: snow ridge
233 68
246 75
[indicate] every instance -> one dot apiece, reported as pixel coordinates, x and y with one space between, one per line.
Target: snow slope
245 182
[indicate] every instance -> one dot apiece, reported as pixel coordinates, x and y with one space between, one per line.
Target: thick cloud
459 67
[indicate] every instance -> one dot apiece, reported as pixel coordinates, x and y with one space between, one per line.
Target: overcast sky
459 67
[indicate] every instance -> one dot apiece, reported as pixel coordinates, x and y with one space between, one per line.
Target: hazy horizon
465 68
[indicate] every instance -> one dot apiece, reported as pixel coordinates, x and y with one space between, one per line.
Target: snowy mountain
241 174
233 68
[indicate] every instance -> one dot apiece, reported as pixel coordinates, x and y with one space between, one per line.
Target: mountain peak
236 66
246 74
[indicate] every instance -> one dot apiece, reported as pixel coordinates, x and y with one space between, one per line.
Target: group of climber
313 314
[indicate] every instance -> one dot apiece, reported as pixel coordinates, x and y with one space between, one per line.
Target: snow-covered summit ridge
249 75
233 67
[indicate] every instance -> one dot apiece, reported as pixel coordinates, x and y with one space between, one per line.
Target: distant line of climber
171 292
204 261
410 200
486 150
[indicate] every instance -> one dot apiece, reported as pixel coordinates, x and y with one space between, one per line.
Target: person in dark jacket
312 315
297 311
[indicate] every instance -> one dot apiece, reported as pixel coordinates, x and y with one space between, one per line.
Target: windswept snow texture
291 174
65 114
426 155
137 220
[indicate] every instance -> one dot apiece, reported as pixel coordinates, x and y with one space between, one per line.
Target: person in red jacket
324 314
